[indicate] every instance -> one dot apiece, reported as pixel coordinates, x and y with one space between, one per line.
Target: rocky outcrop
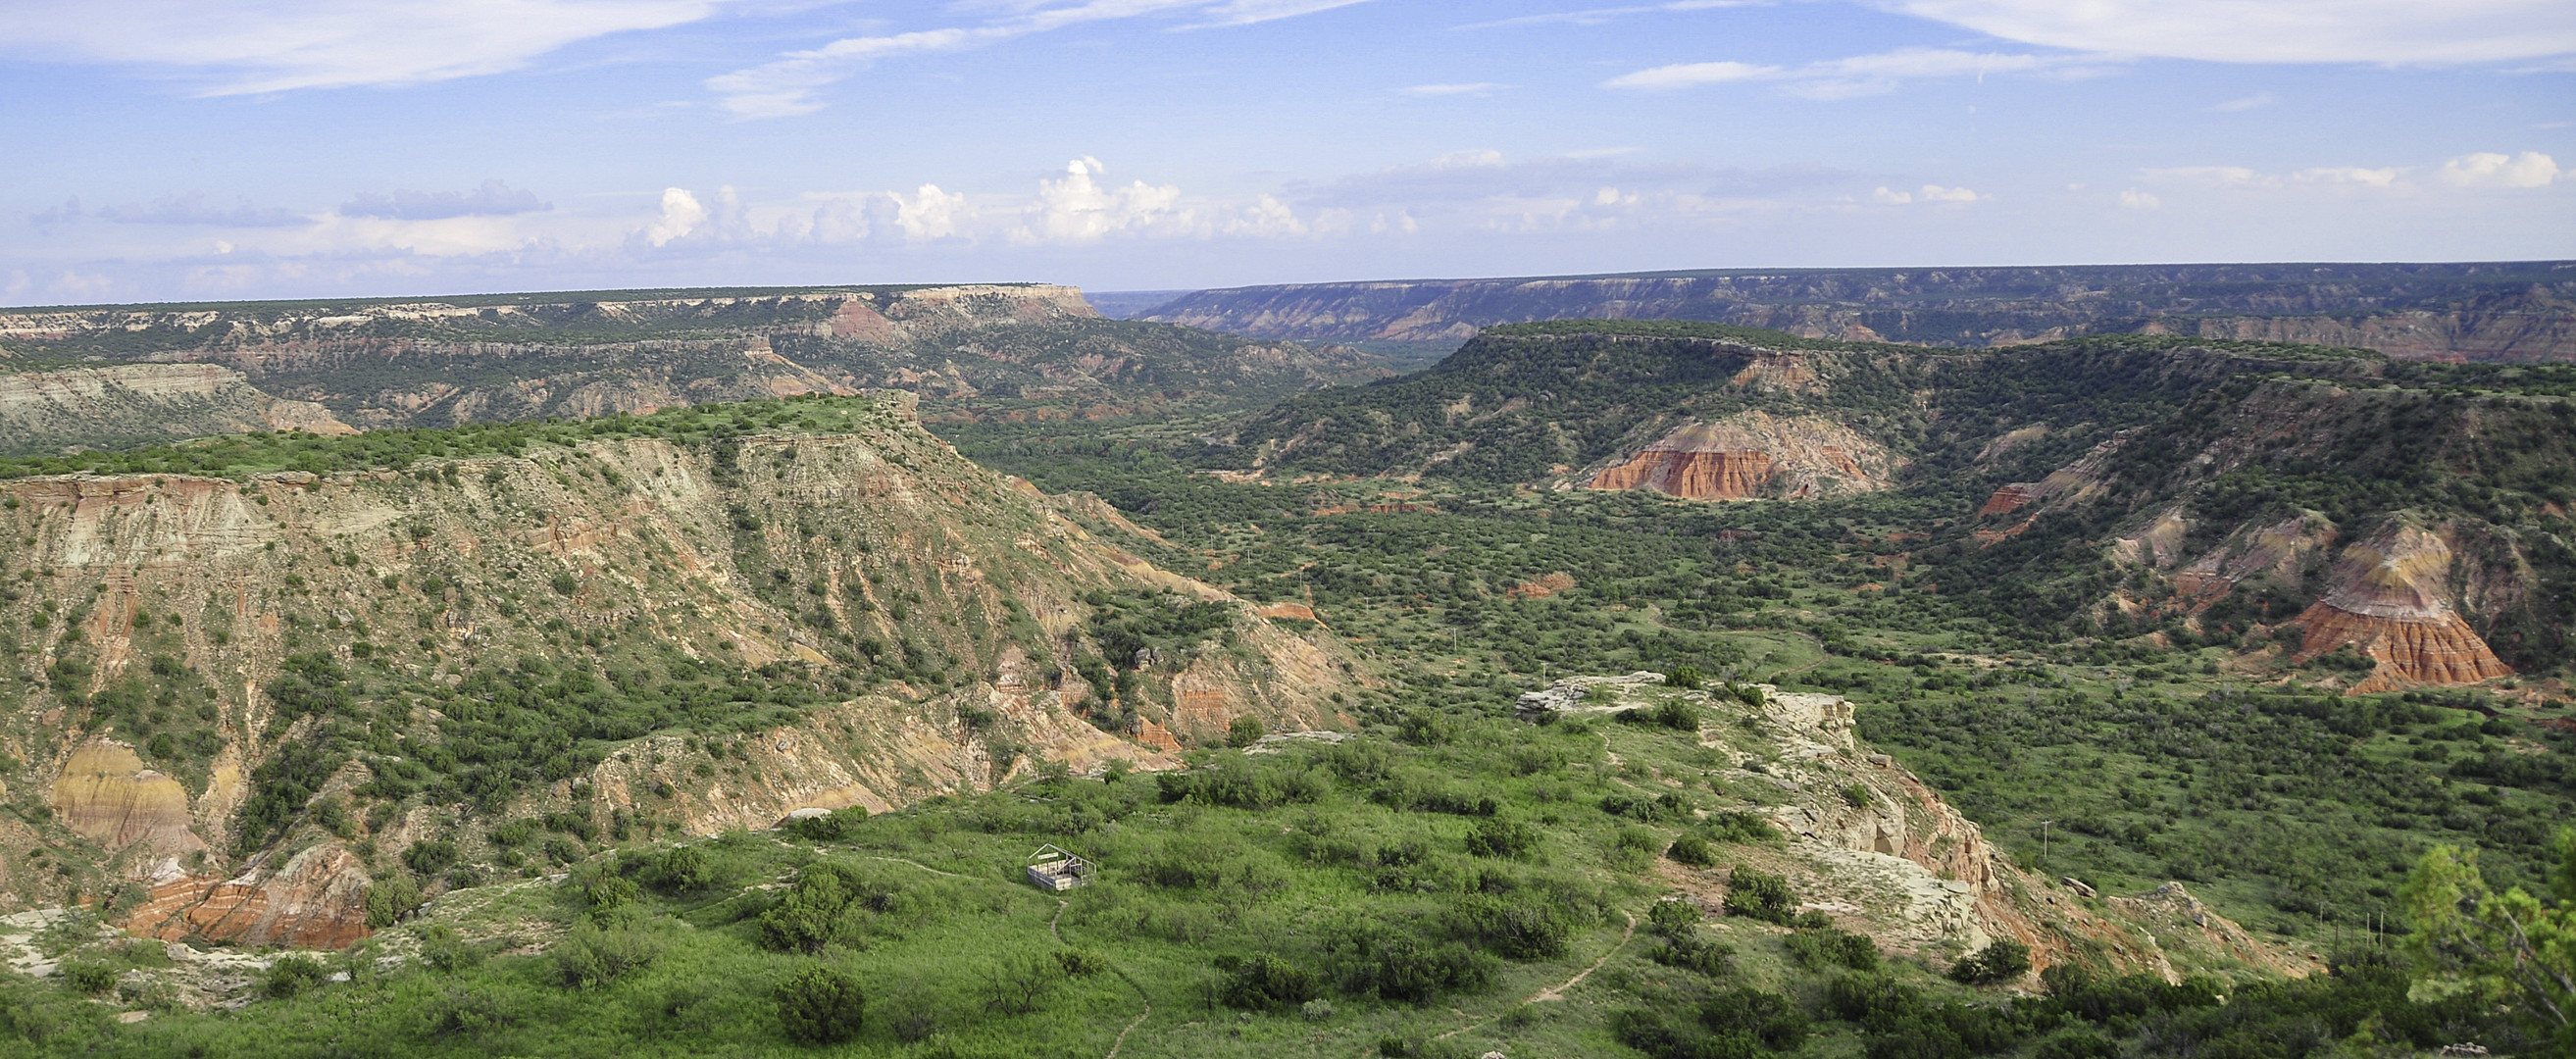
2076 480
106 794
142 403
1752 455
2388 602
801 551
1881 852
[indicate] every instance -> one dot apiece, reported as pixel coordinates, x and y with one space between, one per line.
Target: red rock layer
2437 649
1693 475
2009 499
317 900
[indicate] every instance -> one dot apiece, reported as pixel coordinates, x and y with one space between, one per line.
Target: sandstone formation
2075 480
1754 454
414 580
2388 602
106 794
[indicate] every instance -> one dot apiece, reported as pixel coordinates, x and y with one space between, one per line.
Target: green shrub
1081 963
1739 827
591 957
1691 850
90 979
1672 916
680 872
1520 926
2005 960
389 899
430 857
1265 983
818 1005
1758 895
832 827
1855 795
1245 731
1685 677
1501 837
291 976
1817 948
814 913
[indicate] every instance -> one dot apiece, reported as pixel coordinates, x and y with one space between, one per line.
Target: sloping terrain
236 706
139 404
1028 350
2152 453
2511 311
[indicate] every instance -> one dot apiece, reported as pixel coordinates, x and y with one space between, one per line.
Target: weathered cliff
1754 454
242 702
2389 603
113 407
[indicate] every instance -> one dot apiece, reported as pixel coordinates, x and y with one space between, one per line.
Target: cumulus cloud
2134 199
929 213
681 214
787 86
1076 209
248 46
2375 178
2530 169
2274 31
192 208
492 198
1859 75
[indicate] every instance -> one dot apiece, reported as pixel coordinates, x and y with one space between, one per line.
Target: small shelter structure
1056 870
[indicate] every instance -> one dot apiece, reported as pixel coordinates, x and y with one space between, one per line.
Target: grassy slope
960 957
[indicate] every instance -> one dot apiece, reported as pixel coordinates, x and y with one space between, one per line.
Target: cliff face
933 610
137 403
2388 602
2504 312
1753 455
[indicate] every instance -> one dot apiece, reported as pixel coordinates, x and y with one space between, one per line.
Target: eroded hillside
238 706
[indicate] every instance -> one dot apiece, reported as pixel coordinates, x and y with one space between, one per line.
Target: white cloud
930 213
2135 199
1076 209
1477 88
1686 75
2274 31
787 85
2258 99
2376 178
249 46
681 214
1929 193
1860 75
2530 169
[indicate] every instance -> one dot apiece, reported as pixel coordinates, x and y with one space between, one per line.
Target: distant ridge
2482 311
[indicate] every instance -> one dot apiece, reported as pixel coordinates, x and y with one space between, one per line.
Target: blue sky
214 149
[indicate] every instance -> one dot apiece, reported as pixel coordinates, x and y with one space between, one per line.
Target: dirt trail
1557 991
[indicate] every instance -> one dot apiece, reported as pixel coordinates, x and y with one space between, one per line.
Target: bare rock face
1751 455
2077 479
2388 602
106 794
313 899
